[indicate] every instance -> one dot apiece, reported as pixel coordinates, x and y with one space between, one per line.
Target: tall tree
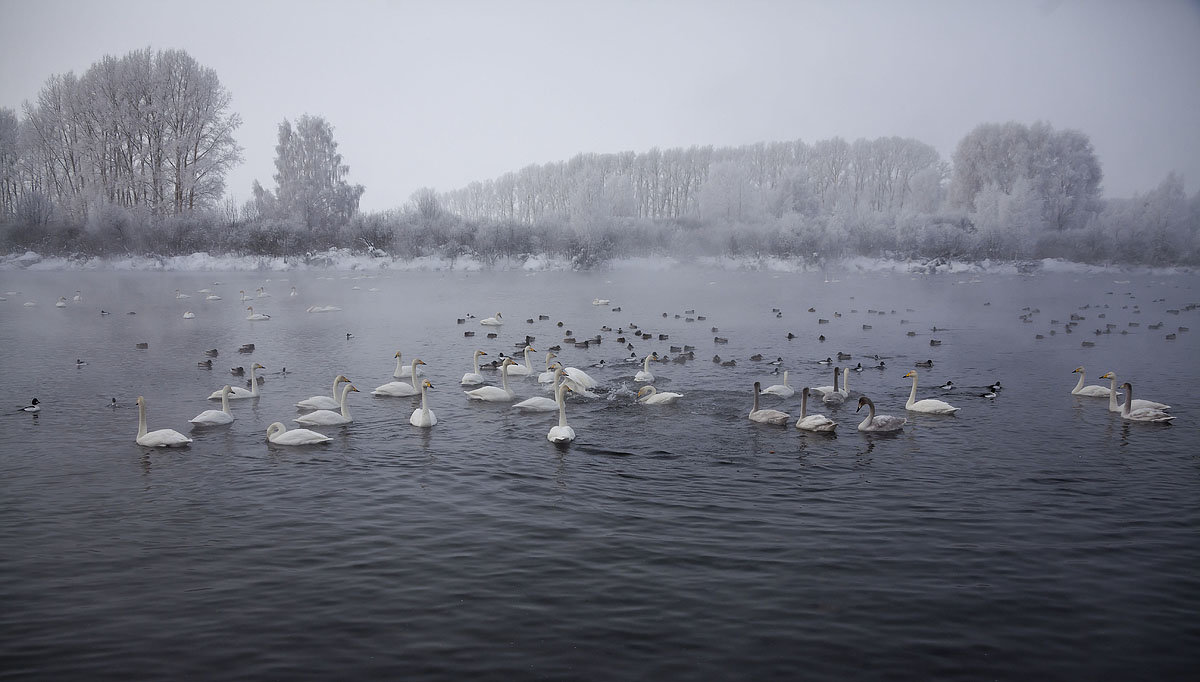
310 178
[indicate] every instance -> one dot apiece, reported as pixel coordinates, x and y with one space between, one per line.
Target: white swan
293 292
242 295
644 375
781 390
324 402
492 321
240 393
881 423
837 396
1138 404
547 377
540 404
1093 391
61 302
180 294
162 438
829 389
600 301
403 371
812 422
212 297
928 405
1144 414
473 378
493 394
423 416
766 416
648 395
216 417
580 378
401 389
278 434
525 369
255 317
322 308
189 315
562 433
329 417
261 292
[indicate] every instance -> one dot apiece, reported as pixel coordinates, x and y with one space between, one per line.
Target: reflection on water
679 541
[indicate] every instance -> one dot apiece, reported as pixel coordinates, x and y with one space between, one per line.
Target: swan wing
318 402
1093 391
770 417
471 379
538 404
931 406
579 376
164 438
561 434
493 394
395 389
322 418
212 418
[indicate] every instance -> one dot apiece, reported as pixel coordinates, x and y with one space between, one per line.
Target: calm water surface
1033 535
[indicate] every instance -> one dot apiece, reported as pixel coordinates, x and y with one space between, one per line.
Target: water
1031 535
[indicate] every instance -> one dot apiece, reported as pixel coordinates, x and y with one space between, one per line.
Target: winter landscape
663 340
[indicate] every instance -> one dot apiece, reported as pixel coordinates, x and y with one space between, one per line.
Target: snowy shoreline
345 259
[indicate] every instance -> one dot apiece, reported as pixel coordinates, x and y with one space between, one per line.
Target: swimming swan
580 378
162 438
329 417
216 417
256 317
766 416
812 422
278 434
648 395
781 390
324 402
492 321
1138 404
239 393
928 405
493 394
403 371
525 369
645 376
837 396
540 404
473 378
1144 414
882 423
1093 391
547 377
829 389
561 433
423 416
401 389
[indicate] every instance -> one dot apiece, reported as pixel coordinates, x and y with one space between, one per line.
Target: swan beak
397 354
420 362
354 390
428 385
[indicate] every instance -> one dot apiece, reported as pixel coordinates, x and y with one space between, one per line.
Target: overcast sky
440 93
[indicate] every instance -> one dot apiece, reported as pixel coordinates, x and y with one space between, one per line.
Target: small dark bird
33 407
468 334
206 364
927 363
858 368
113 404
756 357
935 342
948 386
349 336
104 312
79 363
143 346
212 353
238 371
989 394
826 361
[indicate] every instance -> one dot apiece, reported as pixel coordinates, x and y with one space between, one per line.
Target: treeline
132 157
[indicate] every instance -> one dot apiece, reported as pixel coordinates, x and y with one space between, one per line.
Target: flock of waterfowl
560 380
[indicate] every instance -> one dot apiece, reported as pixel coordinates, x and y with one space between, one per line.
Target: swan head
530 349
141 401
1077 370
864 401
1108 375
342 377
227 390
911 373
258 366
397 355
353 389
480 352
426 384
1127 386
418 361
275 428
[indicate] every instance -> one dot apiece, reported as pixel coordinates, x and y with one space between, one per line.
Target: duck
948 386
324 402
881 423
216 417
812 422
645 375
423 417
206 364
329 417
34 407
278 434
927 364
995 386
80 363
1138 404
562 433
239 393
781 390
401 389
473 378
826 361
648 395
492 321
1145 414
493 394
1093 391
928 405
256 317
161 438
857 368
766 416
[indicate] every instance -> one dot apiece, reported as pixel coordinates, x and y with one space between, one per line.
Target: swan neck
424 403
141 419
846 380
345 402
1128 399
646 365
1112 395
912 395
336 382
413 372
399 367
754 408
562 405
1079 385
803 404
225 403
253 382
504 376
475 361
785 383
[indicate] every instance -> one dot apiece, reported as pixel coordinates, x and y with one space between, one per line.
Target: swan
423 416
928 405
1143 415
600 301
261 292
278 434
547 377
162 438
648 395
61 302
540 404
561 433
180 294
239 393
216 417
493 394
322 308
881 423
1093 391
580 378
645 376
255 317
492 321
401 389
324 402
404 371
1133 404
189 315
473 378
781 390
837 396
829 389
766 416
329 417
812 422
243 296
293 292
212 297
525 369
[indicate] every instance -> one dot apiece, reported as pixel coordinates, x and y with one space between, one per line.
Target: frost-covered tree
10 181
310 178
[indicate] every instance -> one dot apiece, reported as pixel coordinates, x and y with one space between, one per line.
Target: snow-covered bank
345 259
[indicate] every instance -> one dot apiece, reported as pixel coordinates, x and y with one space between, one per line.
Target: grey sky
442 93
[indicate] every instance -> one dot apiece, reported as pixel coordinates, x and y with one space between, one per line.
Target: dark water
1032 536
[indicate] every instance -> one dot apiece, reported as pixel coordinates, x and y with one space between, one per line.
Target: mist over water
1033 533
